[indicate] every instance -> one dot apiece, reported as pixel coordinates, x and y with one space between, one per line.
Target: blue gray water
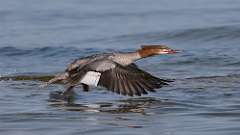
41 37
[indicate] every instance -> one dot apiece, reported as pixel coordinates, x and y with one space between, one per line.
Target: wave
235 78
47 51
210 33
27 77
215 33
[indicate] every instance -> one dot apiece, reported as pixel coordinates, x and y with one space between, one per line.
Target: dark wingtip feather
131 81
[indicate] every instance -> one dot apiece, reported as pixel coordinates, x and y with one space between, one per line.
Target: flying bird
114 71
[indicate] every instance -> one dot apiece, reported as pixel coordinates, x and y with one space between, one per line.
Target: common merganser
114 71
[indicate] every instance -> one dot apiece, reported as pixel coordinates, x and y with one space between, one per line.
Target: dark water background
42 37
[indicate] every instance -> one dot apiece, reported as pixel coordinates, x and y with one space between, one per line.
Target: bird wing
129 80
125 80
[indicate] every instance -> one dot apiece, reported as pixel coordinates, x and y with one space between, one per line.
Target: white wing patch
91 78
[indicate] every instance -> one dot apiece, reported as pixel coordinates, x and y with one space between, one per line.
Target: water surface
39 38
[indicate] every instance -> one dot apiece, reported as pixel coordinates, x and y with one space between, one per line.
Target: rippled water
39 38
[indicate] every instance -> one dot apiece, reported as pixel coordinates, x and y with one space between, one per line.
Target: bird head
149 50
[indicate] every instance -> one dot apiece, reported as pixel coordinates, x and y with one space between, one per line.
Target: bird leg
85 87
68 93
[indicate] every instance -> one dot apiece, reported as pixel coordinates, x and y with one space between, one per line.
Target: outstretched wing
125 80
130 80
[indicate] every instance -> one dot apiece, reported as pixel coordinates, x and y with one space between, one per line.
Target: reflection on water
117 109
132 105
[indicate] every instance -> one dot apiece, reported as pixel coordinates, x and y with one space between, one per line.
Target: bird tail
56 79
